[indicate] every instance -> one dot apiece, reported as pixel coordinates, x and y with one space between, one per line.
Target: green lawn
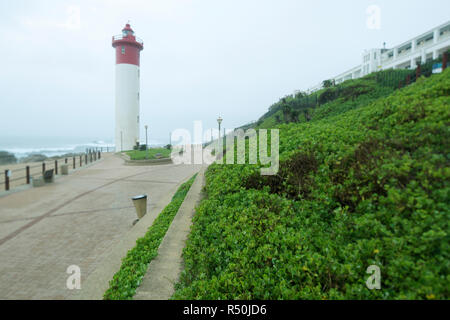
140 155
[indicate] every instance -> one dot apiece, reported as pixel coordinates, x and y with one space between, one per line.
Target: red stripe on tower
128 46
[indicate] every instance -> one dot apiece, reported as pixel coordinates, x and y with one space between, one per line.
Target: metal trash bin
140 203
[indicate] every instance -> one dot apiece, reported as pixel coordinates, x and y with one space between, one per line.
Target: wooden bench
49 175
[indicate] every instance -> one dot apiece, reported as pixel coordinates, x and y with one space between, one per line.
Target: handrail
121 37
45 165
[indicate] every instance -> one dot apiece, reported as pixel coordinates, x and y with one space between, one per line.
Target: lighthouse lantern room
128 48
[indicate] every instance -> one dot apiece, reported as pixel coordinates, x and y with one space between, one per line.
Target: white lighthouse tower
128 48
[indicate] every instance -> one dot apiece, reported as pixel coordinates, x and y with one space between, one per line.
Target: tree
300 94
294 115
327 83
286 109
307 115
326 96
7 158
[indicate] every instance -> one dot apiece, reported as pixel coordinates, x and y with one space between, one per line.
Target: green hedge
366 186
134 265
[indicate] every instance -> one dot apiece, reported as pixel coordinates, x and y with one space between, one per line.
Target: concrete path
164 271
78 220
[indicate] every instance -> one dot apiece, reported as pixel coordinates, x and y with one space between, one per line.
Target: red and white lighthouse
128 48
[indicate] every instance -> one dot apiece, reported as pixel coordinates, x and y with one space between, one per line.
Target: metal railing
28 172
121 37
404 53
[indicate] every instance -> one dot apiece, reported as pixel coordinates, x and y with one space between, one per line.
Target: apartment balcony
404 53
444 35
387 59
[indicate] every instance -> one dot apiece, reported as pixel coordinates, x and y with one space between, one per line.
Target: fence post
408 78
56 166
444 61
27 170
65 160
99 155
43 167
418 72
6 180
73 158
85 158
81 161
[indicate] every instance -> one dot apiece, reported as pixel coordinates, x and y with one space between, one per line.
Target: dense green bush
359 185
7 157
134 265
347 95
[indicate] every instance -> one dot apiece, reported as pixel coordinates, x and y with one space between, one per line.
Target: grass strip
152 152
134 266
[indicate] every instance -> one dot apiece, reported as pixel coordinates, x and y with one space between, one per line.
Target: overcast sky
201 58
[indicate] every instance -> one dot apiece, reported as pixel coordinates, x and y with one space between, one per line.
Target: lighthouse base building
128 48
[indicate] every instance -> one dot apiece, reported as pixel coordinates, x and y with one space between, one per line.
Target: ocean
52 146
56 146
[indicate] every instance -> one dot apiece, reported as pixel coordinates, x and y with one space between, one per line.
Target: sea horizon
22 146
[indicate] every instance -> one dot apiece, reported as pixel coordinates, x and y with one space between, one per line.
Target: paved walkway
164 271
75 221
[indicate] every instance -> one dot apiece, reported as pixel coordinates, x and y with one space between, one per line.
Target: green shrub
358 186
7 157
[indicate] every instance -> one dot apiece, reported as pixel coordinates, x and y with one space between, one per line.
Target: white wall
127 106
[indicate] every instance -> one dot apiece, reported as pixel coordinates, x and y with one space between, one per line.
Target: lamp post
146 142
219 121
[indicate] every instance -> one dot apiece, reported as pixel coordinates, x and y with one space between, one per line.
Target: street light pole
219 121
146 142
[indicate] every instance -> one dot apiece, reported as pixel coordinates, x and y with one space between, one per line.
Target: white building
425 47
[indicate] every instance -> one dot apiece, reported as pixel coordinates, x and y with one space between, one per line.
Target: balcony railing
387 59
444 35
121 37
404 52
